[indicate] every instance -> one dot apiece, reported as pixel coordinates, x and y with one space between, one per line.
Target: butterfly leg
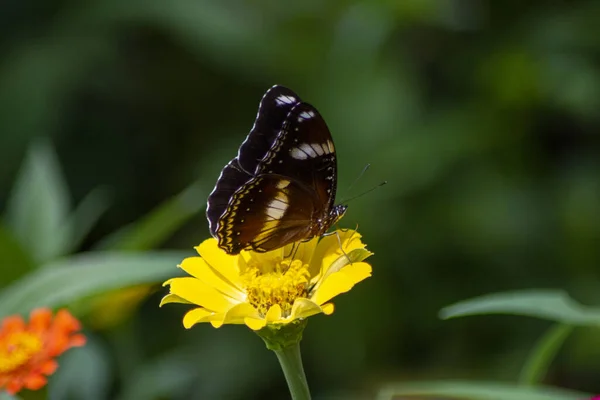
339 243
293 251
344 229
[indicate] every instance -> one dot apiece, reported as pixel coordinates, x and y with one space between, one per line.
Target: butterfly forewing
304 151
274 107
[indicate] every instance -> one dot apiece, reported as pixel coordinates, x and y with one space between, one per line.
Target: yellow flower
273 288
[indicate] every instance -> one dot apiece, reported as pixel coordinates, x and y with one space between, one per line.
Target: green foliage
65 281
159 224
546 304
38 218
554 305
39 205
543 353
477 391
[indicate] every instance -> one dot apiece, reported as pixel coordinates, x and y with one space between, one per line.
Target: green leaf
14 260
466 390
84 275
554 305
84 218
39 204
84 373
541 356
159 224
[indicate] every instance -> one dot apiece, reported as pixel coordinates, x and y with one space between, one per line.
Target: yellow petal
236 315
269 257
255 324
328 250
304 308
328 308
357 271
200 269
195 316
274 313
218 259
340 282
306 250
197 292
172 298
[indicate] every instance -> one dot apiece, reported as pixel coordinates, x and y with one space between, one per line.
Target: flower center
279 283
17 349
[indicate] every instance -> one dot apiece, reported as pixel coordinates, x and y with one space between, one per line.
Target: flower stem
291 363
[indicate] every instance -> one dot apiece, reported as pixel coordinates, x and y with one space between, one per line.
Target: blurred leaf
160 224
39 204
554 305
541 356
478 391
6 396
83 219
110 309
84 275
13 258
84 373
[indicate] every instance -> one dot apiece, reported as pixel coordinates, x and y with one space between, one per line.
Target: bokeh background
481 115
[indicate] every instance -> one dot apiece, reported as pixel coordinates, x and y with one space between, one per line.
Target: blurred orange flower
28 351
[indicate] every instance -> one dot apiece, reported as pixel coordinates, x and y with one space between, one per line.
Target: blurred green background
483 116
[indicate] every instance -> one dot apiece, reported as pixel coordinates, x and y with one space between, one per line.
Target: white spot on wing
308 149
318 148
277 206
306 115
298 154
283 99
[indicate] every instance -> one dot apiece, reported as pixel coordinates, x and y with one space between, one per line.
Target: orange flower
27 352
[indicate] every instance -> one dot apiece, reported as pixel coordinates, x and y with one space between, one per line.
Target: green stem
543 353
291 362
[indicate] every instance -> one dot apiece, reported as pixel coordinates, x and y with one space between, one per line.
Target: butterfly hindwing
232 177
268 212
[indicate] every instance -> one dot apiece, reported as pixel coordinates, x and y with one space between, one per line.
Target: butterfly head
337 213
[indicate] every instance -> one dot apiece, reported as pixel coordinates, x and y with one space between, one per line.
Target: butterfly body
281 186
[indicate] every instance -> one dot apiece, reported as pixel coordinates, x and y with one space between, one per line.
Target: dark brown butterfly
281 186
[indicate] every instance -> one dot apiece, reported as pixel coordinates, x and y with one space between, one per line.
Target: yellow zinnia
273 288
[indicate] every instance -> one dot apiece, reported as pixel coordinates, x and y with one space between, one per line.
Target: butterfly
280 188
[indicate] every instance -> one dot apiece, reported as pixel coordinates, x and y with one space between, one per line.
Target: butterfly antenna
363 193
359 176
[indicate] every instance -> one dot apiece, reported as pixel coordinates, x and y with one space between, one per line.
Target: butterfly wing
266 213
232 178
